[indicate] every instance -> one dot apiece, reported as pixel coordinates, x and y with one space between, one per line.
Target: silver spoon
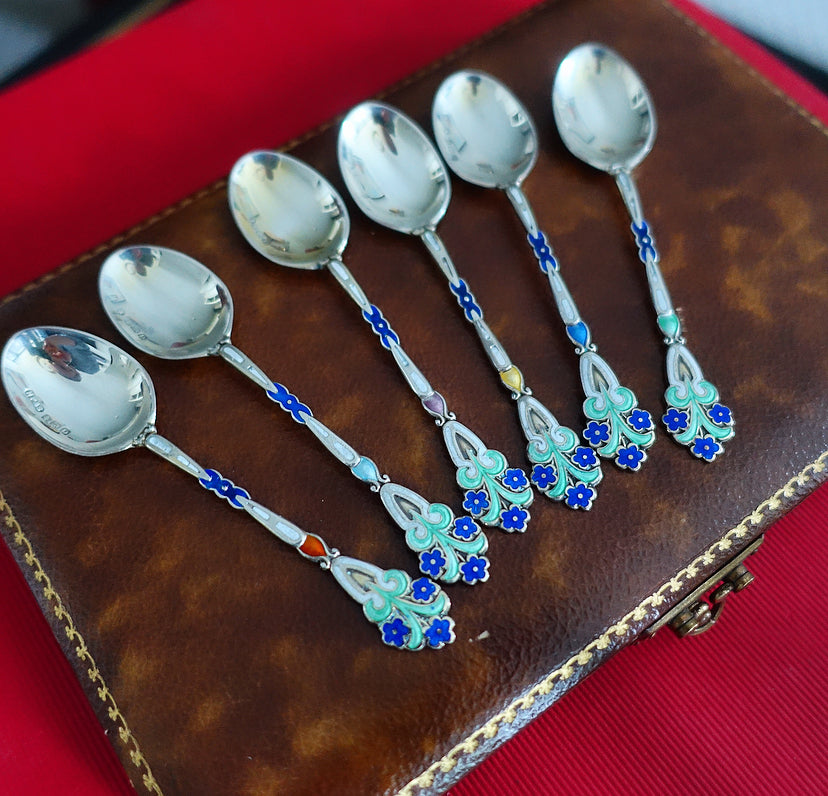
488 138
606 118
397 178
293 216
88 397
171 306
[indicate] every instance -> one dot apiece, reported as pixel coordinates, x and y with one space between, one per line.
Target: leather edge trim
85 657
577 662
765 81
816 470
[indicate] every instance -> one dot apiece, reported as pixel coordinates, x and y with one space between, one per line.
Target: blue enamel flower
395 632
514 519
439 632
584 457
596 433
515 478
476 502
720 414
423 589
465 528
706 448
580 496
475 569
676 420
544 476
432 562
641 420
630 457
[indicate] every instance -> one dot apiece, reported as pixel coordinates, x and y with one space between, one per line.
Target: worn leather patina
227 663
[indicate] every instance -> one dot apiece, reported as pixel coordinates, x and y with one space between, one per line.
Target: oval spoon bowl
76 390
391 169
286 211
475 120
602 109
165 303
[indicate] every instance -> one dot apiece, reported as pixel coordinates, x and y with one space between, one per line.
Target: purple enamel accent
435 404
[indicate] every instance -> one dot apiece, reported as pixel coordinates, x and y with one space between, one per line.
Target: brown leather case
228 664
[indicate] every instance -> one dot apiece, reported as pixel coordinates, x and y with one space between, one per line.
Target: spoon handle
562 469
483 474
695 417
617 428
448 548
409 614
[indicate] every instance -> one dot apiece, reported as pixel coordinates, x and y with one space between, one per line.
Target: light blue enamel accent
366 470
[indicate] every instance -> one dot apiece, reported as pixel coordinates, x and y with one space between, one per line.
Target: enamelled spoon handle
362 467
432 401
495 493
649 255
562 468
617 428
409 614
695 417
449 548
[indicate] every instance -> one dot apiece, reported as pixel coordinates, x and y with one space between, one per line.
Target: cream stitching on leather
622 627
79 644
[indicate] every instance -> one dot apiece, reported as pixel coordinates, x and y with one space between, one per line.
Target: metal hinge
701 609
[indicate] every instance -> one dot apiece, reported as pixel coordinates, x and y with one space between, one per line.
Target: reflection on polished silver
488 138
398 179
171 306
262 188
606 117
88 397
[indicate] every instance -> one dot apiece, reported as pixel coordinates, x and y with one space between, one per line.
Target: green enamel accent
489 479
396 601
697 405
615 415
438 534
670 325
560 457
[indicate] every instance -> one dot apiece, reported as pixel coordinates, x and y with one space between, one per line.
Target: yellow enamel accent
512 378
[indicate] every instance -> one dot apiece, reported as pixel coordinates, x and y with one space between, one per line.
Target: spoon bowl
391 169
165 303
485 134
602 109
287 211
79 392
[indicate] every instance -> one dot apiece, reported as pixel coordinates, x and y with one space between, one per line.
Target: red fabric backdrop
123 130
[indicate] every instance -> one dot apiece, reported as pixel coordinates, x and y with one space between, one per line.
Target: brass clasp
702 608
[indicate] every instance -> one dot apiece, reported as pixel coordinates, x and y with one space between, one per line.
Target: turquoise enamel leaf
563 469
616 428
450 549
410 614
695 417
495 494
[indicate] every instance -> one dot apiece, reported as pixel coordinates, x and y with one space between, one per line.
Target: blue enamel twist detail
466 300
289 402
646 244
380 326
542 250
224 488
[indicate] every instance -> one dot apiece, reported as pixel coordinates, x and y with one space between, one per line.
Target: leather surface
241 667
